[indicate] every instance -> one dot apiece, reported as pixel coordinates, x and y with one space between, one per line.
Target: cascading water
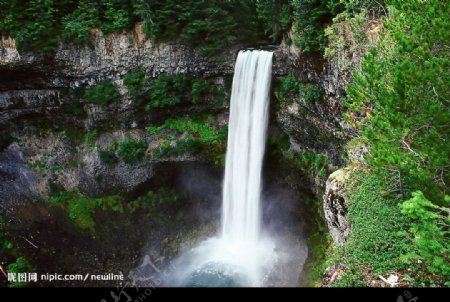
246 144
241 256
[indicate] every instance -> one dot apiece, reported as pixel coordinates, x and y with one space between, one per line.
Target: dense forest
397 104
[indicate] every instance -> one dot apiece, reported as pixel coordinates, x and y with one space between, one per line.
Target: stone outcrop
335 204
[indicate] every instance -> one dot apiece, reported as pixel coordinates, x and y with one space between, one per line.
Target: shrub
78 24
289 89
201 139
132 151
310 93
167 91
103 93
21 265
430 231
107 157
136 83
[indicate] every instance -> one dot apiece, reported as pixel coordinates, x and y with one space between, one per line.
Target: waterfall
240 256
246 143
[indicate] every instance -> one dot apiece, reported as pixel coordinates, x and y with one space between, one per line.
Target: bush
107 157
103 93
132 151
21 265
430 231
136 83
78 24
201 139
310 93
166 91
289 89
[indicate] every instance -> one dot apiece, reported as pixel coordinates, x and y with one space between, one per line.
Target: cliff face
35 88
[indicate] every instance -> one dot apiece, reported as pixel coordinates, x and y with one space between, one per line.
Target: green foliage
310 17
81 208
275 16
310 162
347 36
161 206
132 151
91 137
21 265
375 219
103 93
136 83
289 89
208 26
107 157
4 243
75 108
170 90
310 93
78 24
37 24
32 23
166 91
117 15
201 139
399 99
430 230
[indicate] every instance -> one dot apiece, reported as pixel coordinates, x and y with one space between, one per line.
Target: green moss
161 205
81 208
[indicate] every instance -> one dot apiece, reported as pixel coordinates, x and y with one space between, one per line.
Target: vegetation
90 138
170 90
430 231
161 205
21 265
81 208
103 93
132 151
201 139
107 157
291 89
402 94
207 26
136 84
311 163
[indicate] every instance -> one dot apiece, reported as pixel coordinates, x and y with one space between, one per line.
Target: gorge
237 143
